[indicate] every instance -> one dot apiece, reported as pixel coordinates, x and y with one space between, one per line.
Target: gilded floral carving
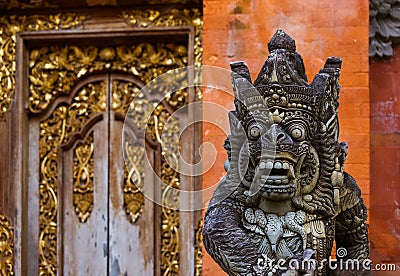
133 181
55 70
6 247
198 250
83 175
173 18
9 27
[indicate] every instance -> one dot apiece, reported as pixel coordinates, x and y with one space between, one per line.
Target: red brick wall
240 30
385 156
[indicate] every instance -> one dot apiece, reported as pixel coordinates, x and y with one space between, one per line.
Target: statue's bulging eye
297 133
254 131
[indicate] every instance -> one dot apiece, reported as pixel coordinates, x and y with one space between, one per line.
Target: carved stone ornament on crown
290 198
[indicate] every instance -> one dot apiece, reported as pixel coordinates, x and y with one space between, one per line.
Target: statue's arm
351 231
225 240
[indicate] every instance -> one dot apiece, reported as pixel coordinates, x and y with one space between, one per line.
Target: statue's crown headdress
281 40
282 83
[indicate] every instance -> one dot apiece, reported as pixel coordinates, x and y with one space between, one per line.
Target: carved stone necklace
274 230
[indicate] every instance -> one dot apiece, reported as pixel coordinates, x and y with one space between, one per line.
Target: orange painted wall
385 156
240 30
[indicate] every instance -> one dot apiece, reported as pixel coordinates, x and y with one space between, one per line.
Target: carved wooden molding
49 4
198 250
83 175
17 4
6 247
384 27
55 70
43 101
10 26
55 130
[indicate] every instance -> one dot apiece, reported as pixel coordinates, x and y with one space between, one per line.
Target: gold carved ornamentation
124 95
57 129
9 27
170 18
133 181
169 220
55 70
160 127
198 250
127 94
173 18
164 129
6 247
20 4
83 175
155 129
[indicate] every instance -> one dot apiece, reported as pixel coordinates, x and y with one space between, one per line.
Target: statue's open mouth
289 171
280 177
280 172
277 175
285 174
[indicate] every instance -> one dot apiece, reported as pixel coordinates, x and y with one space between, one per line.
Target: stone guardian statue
286 197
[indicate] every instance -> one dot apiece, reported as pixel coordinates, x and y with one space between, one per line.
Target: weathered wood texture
85 245
131 245
5 153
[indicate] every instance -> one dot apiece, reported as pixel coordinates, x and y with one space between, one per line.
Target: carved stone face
290 127
283 160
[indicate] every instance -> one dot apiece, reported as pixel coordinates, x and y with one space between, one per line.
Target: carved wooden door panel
132 232
103 226
82 213
85 203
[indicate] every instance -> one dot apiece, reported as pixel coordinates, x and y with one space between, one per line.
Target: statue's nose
282 138
276 135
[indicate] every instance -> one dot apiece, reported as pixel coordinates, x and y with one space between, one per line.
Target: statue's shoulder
349 193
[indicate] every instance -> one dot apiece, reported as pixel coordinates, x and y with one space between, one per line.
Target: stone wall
240 29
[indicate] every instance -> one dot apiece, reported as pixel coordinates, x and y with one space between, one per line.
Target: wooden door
99 235
82 213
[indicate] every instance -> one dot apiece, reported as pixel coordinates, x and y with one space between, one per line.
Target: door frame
26 228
